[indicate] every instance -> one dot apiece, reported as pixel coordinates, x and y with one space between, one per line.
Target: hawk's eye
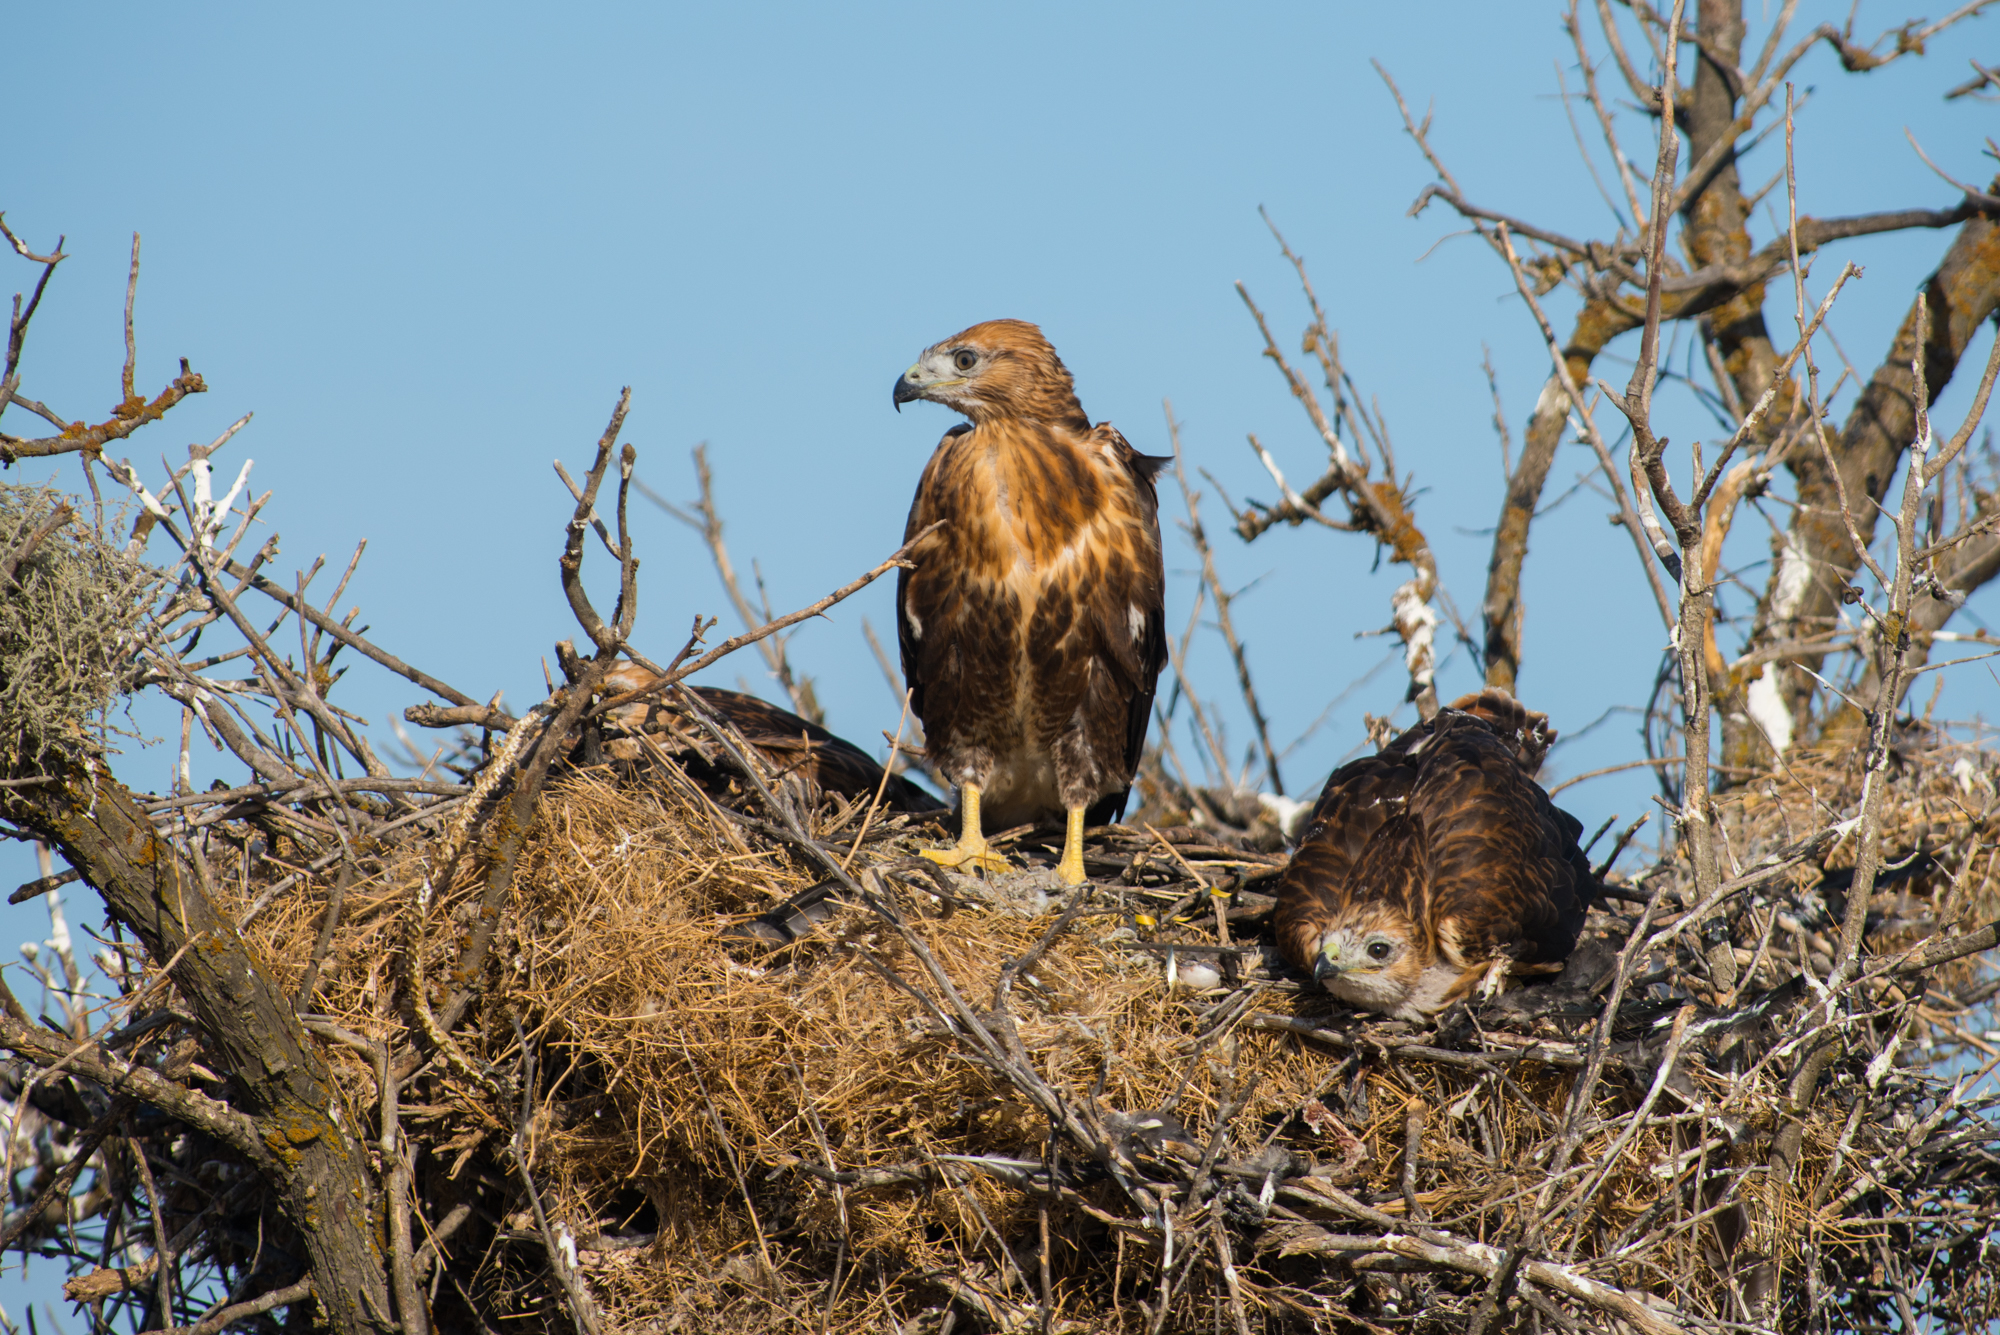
964 360
1378 950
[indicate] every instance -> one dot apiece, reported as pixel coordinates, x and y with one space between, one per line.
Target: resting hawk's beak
907 388
1326 967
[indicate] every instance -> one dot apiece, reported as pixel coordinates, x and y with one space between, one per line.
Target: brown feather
788 743
1033 626
1446 833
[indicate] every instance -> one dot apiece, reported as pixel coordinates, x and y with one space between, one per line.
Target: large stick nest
751 1096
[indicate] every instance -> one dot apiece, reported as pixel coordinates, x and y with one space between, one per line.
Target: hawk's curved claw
971 852
960 858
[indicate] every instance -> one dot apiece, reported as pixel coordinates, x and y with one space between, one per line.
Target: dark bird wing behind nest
1435 864
789 744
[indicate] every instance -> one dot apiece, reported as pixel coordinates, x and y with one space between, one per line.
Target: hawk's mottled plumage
1032 627
1436 863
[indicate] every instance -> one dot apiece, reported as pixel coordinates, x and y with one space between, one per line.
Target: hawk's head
1370 957
996 370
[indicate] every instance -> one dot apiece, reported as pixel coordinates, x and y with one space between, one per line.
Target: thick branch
126 418
51 1051
284 1087
1716 217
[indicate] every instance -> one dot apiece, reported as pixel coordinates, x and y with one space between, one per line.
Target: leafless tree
1739 1030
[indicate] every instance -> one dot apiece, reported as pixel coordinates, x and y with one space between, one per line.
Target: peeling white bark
1768 710
1794 578
1416 622
1553 399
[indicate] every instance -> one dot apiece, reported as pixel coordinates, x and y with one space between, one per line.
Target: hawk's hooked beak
1326 967
907 388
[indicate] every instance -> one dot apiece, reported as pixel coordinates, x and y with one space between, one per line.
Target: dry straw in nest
737 1135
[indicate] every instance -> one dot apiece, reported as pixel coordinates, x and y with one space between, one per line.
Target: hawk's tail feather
1109 809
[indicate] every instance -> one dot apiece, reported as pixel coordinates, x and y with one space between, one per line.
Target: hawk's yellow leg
972 851
1071 866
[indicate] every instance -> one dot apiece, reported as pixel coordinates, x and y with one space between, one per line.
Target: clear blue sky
427 245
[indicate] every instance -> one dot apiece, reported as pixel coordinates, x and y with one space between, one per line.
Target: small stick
875 804
61 515
596 523
914 755
582 1310
1612 1159
402 1264
1226 1260
229 1316
1600 1044
68 1173
21 248
1216 897
1413 1140
707 521
1624 838
1042 1217
131 361
353 562
309 985
1497 1291
1177 657
1972 417
1223 598
896 559
163 1271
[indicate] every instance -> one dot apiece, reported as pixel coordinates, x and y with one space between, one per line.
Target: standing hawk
1032 627
1435 864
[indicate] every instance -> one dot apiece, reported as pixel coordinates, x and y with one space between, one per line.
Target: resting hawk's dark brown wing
1448 824
790 744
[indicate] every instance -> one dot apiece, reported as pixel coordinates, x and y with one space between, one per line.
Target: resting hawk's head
1370 957
992 371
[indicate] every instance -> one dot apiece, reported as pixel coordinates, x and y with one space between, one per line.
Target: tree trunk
1816 553
275 1076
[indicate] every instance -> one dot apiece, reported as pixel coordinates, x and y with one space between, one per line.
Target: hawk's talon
971 853
960 858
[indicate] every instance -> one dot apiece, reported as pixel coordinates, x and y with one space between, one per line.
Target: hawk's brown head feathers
994 371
